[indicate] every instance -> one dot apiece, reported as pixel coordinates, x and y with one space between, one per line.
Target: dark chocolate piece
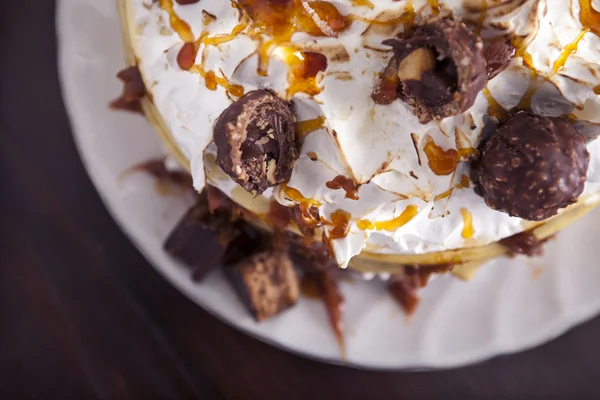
498 54
266 282
200 239
133 91
532 166
256 142
440 67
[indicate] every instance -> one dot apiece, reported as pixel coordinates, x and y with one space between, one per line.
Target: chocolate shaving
440 66
255 138
133 91
532 166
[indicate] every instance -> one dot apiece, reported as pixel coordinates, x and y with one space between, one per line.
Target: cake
397 134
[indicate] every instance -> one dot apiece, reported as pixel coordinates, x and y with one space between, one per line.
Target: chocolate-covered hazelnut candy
256 140
441 68
532 166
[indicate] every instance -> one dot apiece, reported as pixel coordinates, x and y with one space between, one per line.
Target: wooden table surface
83 315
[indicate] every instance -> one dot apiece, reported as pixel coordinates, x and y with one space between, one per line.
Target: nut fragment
256 141
441 68
532 166
416 63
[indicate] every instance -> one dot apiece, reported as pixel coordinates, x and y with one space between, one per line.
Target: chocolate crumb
256 143
441 68
532 166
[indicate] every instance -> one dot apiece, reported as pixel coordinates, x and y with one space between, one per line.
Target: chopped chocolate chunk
133 91
532 166
266 282
498 54
441 68
200 239
256 142
524 243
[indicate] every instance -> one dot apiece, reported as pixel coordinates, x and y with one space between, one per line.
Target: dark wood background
83 315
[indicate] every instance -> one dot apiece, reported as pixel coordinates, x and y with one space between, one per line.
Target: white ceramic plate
504 309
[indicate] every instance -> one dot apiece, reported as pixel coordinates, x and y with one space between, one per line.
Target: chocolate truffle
441 68
256 141
532 166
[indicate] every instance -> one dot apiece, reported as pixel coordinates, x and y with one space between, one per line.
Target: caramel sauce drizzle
482 16
589 19
340 220
464 183
296 196
494 108
342 182
443 162
435 7
569 50
180 27
468 231
306 127
391 225
363 3
279 21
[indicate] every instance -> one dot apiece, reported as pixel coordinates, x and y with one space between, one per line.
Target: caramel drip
340 220
296 196
304 66
362 3
494 108
180 27
391 225
342 182
569 50
306 127
212 81
597 89
464 183
482 16
443 162
407 18
525 103
589 17
468 231
218 39
435 7
264 51
280 20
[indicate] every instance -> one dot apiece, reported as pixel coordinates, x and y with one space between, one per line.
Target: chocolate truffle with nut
441 68
256 141
532 166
